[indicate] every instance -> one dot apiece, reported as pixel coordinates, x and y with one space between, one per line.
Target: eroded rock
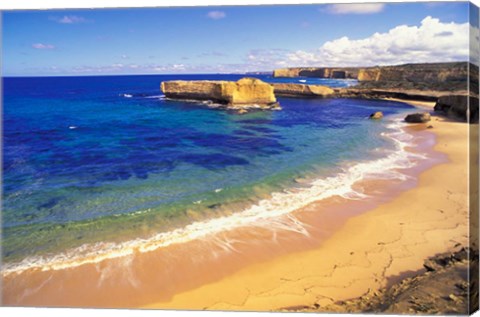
302 90
462 107
245 93
377 115
420 117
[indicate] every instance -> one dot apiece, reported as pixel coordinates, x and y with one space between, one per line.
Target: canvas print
291 158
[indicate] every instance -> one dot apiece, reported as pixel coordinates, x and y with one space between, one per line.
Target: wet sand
366 252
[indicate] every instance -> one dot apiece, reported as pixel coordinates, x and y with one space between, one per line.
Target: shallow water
90 160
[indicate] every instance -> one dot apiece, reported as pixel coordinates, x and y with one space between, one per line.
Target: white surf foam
155 97
274 213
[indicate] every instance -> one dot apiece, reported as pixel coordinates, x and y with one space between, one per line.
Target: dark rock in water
420 117
461 107
377 115
430 127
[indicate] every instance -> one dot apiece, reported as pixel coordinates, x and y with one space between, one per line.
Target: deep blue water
88 159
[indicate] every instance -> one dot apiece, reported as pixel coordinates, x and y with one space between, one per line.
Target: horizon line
229 73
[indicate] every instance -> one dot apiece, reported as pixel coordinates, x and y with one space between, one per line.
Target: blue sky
230 39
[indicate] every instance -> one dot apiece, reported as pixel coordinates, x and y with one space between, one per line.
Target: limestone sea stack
245 93
302 90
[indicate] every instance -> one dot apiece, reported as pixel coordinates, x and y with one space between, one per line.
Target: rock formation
433 72
442 288
420 117
302 90
368 93
434 76
377 115
317 72
247 92
463 107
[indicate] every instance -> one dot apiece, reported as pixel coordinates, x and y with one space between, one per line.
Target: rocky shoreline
447 84
442 76
441 287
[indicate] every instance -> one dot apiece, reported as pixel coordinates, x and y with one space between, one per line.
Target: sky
230 39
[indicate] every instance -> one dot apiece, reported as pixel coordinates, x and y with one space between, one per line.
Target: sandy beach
314 157
369 252
330 250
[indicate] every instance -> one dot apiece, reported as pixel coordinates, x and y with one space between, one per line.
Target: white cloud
212 54
69 19
178 66
266 59
41 46
216 15
432 41
355 8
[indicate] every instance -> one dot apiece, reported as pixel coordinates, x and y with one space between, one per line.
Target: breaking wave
274 213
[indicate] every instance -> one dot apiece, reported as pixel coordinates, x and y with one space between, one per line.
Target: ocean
95 166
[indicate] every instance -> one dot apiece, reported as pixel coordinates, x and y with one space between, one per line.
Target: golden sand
366 253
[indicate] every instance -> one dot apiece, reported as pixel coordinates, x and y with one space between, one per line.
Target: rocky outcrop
462 107
247 92
447 285
377 115
420 117
366 93
301 90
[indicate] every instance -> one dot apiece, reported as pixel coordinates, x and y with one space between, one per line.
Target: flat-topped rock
302 90
247 92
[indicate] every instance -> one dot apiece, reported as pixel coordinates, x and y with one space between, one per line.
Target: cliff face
317 72
438 72
246 91
250 90
463 107
302 90
440 76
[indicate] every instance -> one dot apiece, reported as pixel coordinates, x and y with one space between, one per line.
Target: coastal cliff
454 83
318 72
426 73
247 92
462 107
439 76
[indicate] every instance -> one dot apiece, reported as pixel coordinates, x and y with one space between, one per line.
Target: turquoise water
95 159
